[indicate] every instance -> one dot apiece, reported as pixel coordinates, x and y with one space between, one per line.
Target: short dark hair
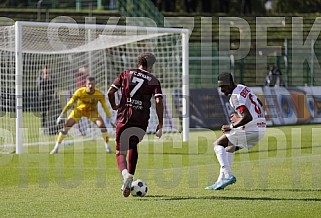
90 78
225 78
146 59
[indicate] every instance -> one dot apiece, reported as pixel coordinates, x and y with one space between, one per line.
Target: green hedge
297 6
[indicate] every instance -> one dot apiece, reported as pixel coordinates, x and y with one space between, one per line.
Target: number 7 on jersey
139 82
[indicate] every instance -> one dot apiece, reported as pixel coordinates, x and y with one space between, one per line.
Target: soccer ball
139 188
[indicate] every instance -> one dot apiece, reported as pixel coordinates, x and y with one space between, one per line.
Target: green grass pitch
280 177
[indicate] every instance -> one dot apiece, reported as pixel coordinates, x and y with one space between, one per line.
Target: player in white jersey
246 129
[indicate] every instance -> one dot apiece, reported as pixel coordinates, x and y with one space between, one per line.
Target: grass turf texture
280 177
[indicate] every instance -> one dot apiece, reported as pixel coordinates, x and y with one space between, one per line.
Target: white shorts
245 139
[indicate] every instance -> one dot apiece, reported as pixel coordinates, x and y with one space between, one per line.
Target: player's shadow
180 198
280 190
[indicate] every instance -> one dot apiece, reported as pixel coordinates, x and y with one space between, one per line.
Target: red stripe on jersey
241 108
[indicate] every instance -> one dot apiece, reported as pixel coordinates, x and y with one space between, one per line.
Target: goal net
42 64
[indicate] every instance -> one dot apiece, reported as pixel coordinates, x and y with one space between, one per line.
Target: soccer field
280 177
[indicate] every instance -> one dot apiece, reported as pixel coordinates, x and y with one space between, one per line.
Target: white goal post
65 52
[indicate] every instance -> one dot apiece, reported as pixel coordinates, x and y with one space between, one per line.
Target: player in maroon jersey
137 88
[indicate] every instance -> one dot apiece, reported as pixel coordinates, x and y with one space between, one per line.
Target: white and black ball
139 188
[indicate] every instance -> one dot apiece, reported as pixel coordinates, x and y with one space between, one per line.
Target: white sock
221 176
107 146
56 146
124 173
55 149
221 155
230 157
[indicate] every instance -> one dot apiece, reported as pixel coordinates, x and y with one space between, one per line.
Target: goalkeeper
87 99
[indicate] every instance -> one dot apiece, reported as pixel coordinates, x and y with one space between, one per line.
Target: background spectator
83 72
46 93
268 6
274 78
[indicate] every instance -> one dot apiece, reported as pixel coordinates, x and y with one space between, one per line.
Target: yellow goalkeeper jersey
88 102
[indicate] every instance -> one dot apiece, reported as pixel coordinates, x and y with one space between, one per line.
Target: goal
66 52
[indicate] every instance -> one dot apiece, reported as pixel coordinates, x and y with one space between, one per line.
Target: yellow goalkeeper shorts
77 114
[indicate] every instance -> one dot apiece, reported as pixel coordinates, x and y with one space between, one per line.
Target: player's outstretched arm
104 105
70 103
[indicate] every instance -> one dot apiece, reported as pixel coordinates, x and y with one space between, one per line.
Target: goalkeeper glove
59 119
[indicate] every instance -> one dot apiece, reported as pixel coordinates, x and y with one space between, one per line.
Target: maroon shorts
128 135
